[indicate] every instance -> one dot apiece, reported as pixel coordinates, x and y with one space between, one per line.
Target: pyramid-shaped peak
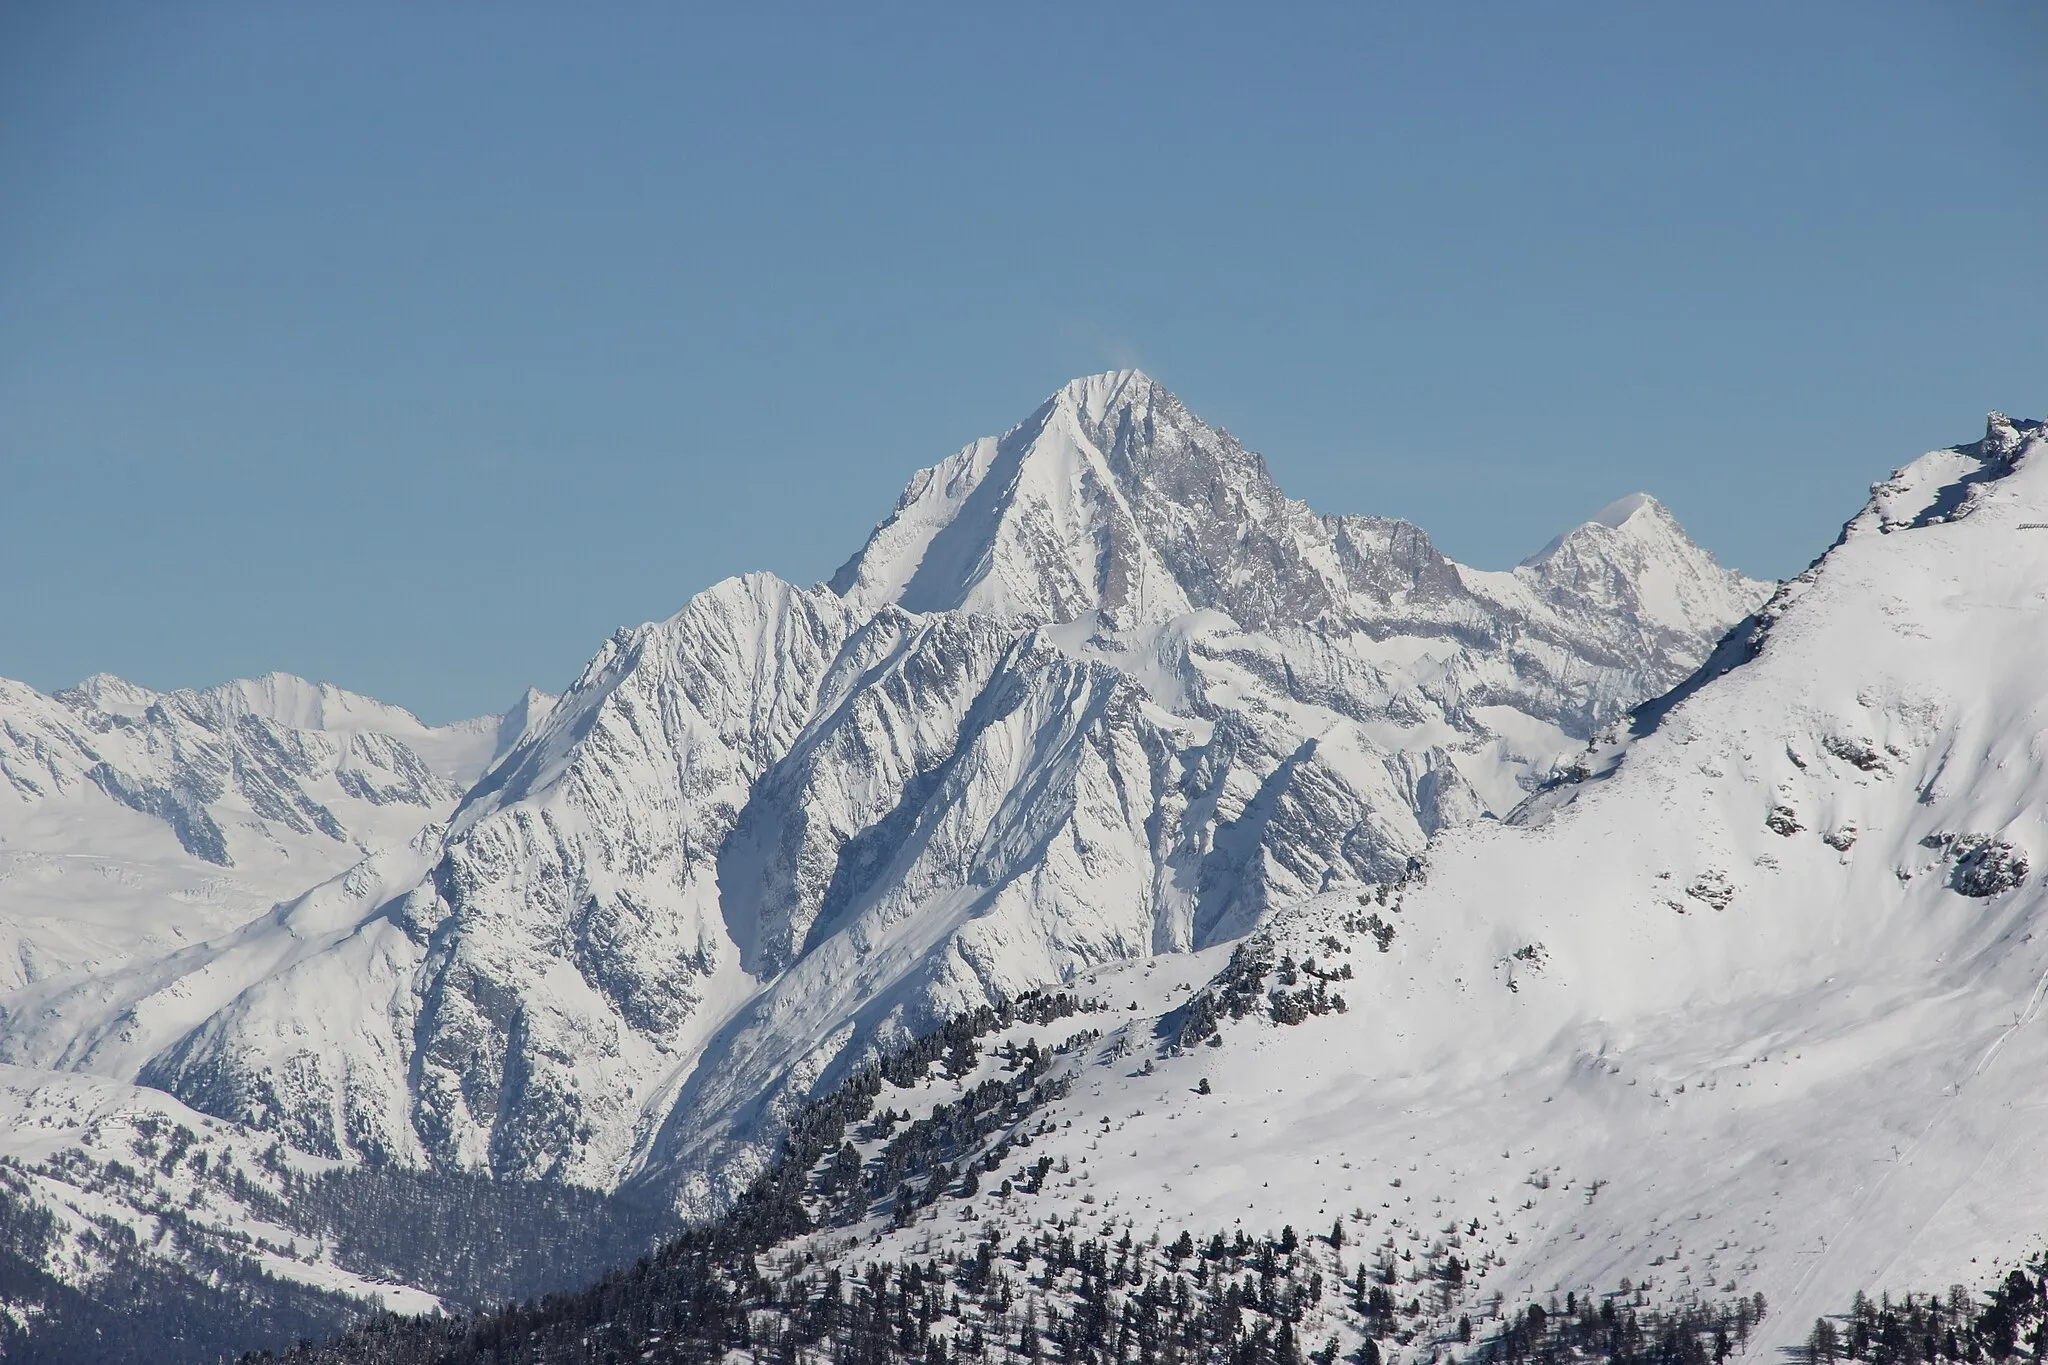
1639 515
1622 510
1095 397
1633 557
1112 496
1107 388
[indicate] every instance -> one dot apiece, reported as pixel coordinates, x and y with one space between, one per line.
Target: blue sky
418 347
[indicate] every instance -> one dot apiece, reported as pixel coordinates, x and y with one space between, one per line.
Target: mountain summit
1114 499
1633 557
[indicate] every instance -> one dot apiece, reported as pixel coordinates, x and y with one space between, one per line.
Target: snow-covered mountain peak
2003 435
1839 834
1035 525
714 664
1097 398
304 704
112 694
1114 499
1749 1001
133 820
284 698
1623 509
1632 556
1756 1010
1638 516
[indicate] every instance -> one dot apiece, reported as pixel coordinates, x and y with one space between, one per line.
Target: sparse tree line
470 1240
1240 989
2010 1322
1615 1332
1063 1295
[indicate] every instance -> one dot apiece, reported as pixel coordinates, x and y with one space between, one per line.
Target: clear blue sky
416 347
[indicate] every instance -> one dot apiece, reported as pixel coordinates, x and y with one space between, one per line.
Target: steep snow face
1036 524
133 820
1096 691
1751 1001
573 921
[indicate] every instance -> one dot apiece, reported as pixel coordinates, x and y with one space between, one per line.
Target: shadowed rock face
1095 689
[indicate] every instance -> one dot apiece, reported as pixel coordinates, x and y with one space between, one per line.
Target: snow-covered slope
1097 690
1748 1001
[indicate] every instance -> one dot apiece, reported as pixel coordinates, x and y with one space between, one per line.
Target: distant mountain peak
1623 509
1633 557
1097 694
1094 396
1638 515
1035 524
1095 688
285 698
110 693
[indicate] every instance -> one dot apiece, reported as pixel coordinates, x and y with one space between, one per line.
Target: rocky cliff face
1096 689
